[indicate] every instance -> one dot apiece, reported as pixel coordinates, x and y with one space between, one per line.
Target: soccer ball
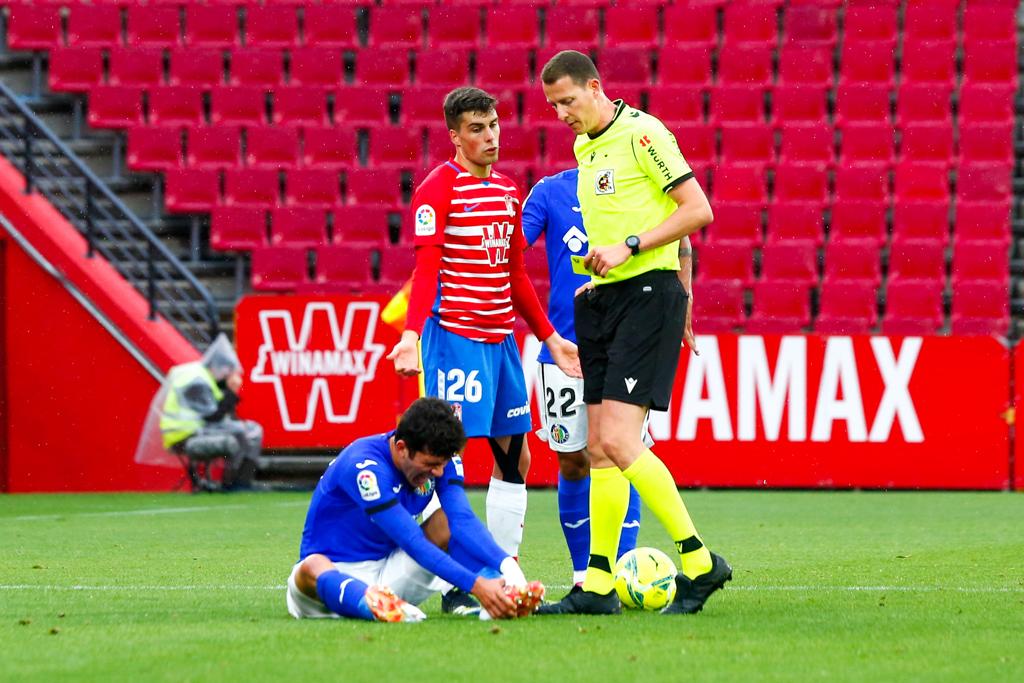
645 578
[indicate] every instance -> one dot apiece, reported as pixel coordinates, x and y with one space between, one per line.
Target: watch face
633 242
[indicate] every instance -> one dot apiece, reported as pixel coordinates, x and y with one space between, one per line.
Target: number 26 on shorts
456 386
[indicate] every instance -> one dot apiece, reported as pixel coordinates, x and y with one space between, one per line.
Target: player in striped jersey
468 285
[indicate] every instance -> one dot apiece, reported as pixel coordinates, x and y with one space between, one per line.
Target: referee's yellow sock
657 489
609 498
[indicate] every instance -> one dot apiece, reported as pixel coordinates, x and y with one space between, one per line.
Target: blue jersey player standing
364 556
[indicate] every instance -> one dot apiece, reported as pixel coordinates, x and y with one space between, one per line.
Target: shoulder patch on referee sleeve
426 220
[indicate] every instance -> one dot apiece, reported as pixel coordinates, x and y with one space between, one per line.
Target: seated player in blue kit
363 554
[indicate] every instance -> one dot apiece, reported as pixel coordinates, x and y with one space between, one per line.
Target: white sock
506 511
578 577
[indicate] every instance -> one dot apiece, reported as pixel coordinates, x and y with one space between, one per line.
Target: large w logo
496 240
321 363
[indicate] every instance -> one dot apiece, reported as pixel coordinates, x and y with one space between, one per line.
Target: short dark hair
429 425
571 63
466 99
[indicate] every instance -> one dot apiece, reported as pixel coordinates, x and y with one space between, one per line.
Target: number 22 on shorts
455 385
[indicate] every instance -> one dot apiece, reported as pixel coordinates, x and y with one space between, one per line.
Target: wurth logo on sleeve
322 363
497 237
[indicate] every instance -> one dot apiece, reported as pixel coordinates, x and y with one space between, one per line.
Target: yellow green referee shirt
625 171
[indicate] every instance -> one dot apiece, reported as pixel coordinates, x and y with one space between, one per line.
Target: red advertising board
750 411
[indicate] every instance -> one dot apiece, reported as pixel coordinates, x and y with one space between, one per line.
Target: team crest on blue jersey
426 488
604 181
457 409
559 434
367 483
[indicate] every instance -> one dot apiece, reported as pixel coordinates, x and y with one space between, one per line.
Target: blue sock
343 594
631 525
574 515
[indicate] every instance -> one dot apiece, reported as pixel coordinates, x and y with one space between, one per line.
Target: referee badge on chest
604 181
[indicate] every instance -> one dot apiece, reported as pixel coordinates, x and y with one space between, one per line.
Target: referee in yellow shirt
640 202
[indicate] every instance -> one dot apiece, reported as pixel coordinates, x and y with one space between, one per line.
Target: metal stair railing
109 227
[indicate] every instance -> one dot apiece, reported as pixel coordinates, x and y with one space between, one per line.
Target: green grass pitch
827 586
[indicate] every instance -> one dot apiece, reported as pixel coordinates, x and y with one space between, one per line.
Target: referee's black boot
691 594
460 603
583 602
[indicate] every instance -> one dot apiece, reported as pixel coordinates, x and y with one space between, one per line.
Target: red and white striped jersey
476 222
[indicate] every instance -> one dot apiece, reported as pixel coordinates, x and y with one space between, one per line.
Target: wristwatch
633 242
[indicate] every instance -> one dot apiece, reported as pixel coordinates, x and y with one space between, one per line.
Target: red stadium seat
984 221
981 308
790 262
423 104
330 25
298 226
150 26
275 147
984 21
810 24
175 106
980 262
238 229
741 183
799 103
795 222
779 308
94 26
696 25
804 183
313 187
513 27
271 26
396 265
847 307
930 62
861 183
197 67
927 142
558 150
211 26
858 220
737 104
442 67
751 23
805 65
672 104
256 187
214 147
317 67
862 102
343 267
76 68
917 260
719 308
921 220
984 182
726 261
745 64
987 103
362 225
572 28
240 105
866 143
503 68
921 180
986 142
300 107
32 27
333 148
454 28
382 67
736 223
684 65
279 268
743 143
395 27
519 144
361 106
625 65
930 21
191 190
913 307
696 141
852 260
136 66
397 146
113 106
631 27
154 149
256 67
867 62
807 143
373 186
924 103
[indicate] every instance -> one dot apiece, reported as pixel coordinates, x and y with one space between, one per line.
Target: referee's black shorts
629 335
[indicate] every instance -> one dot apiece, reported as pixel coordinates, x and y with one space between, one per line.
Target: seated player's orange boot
527 598
386 606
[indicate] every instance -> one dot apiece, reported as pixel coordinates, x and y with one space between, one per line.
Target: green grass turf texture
827 586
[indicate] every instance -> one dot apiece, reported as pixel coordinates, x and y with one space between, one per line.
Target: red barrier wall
751 411
75 399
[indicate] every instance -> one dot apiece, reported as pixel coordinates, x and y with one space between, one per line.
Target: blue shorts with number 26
484 382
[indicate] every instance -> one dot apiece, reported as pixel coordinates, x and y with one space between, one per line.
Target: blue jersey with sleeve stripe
552 209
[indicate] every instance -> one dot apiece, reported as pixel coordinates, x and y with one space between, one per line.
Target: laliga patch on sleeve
368 488
426 221
457 461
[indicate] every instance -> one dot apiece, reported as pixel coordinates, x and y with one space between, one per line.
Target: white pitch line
143 511
767 588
